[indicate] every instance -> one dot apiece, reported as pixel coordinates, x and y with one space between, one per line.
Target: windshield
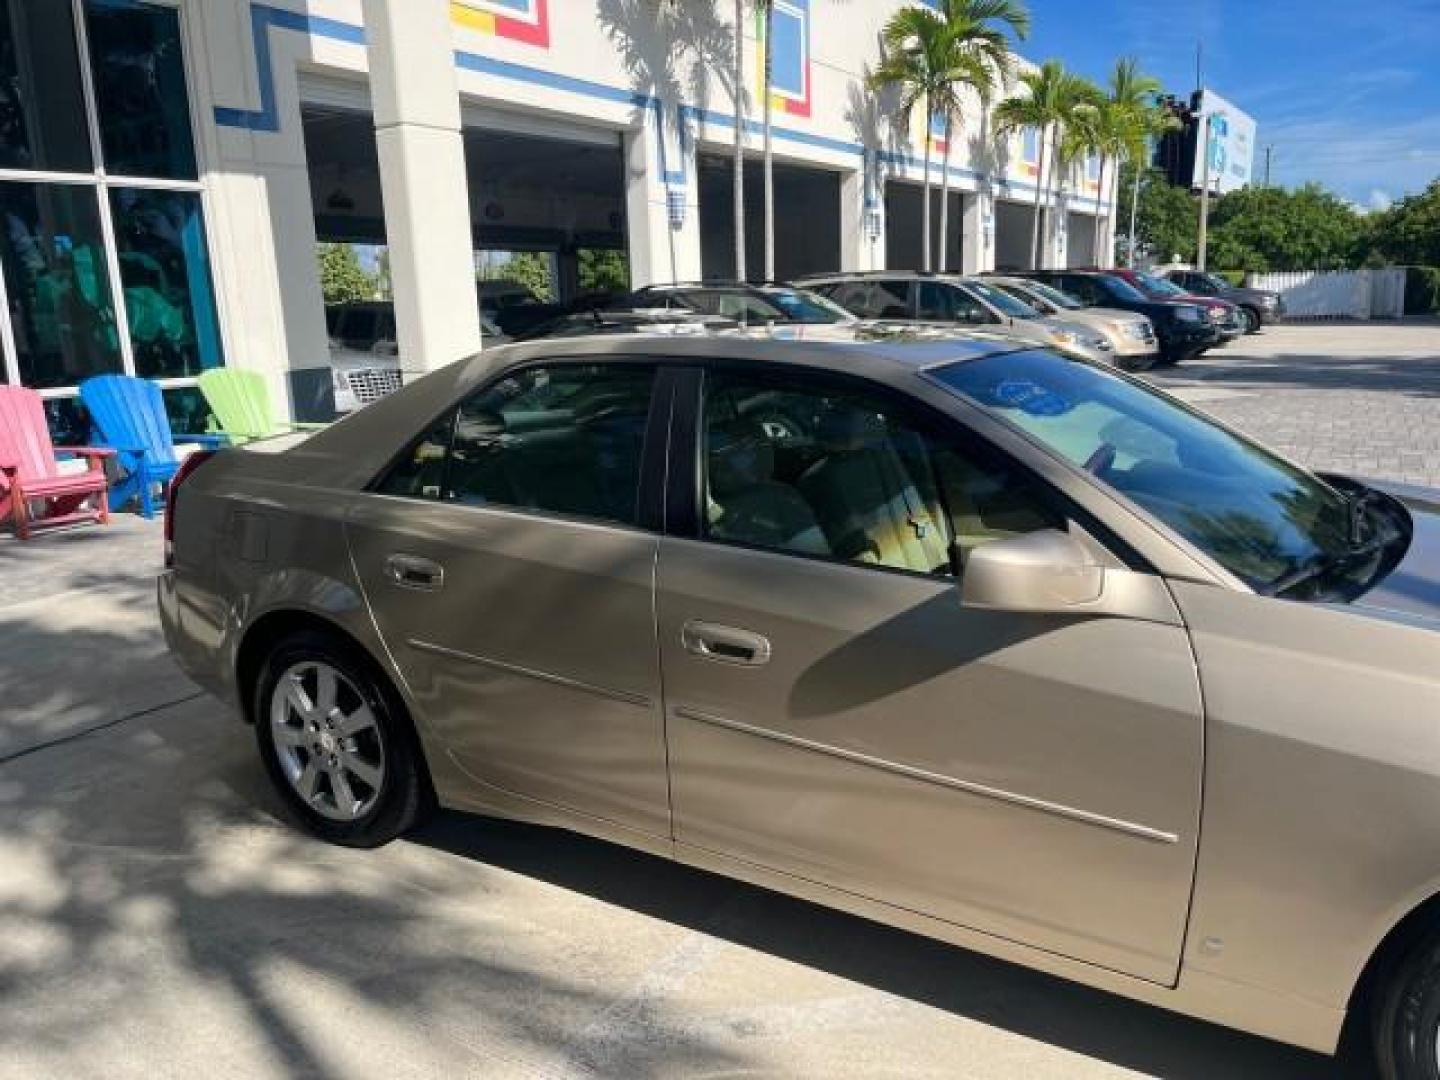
1160 286
1053 295
1215 282
1002 301
802 305
1123 290
1267 522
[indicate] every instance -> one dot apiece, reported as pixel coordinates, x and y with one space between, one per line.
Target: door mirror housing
1050 572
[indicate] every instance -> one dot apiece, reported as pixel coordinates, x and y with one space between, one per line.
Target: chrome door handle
725 644
414 572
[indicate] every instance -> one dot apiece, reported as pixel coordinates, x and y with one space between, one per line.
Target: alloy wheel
327 740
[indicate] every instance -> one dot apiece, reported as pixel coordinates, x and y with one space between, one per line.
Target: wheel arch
1404 935
274 626
280 623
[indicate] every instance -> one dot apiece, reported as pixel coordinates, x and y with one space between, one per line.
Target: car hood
1413 587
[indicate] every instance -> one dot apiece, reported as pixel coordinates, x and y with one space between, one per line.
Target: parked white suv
365 354
364 357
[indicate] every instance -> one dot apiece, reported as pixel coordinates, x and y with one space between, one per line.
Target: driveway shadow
1412 377
964 983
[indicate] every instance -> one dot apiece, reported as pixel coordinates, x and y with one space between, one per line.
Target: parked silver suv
949 299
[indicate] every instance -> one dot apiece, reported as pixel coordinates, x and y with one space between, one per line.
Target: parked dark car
1184 330
1225 315
1260 307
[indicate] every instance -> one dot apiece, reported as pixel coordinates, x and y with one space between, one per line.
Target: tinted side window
811 468
949 304
420 473
1083 288
873 299
564 439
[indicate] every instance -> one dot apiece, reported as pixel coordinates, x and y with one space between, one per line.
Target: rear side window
565 439
872 299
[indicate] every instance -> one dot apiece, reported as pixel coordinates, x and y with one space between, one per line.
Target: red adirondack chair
33 489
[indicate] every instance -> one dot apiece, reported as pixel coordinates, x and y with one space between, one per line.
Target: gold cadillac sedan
980 641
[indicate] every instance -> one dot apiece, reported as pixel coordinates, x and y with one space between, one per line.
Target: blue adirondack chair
129 415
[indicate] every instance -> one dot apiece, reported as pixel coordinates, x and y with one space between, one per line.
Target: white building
187 155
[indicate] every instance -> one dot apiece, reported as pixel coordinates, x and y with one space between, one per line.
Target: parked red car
1225 316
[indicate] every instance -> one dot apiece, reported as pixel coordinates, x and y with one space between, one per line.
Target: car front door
834 713
507 561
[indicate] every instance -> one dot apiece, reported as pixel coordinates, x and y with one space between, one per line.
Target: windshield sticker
1031 398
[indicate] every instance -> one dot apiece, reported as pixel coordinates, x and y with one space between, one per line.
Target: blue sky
1347 91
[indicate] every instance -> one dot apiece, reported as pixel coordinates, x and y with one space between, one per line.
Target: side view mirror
1053 573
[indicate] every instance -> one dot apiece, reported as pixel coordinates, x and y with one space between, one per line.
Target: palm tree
979 58
767 12
1120 125
740 140
916 64
1047 104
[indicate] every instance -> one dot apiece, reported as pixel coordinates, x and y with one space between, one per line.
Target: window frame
686 477
654 447
100 181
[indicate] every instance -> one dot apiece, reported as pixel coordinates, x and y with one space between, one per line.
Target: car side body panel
1313 751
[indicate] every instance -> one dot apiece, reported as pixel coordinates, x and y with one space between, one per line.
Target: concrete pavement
160 917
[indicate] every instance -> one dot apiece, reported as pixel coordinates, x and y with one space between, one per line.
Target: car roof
350 452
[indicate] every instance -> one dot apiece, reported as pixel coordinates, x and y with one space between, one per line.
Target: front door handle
414 572
725 644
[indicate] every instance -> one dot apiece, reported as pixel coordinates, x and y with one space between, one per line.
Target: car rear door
508 558
834 713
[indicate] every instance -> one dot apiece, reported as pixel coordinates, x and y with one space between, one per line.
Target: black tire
1135 365
404 798
1168 358
1252 320
1407 1015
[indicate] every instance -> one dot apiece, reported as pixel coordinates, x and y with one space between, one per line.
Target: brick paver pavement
1355 398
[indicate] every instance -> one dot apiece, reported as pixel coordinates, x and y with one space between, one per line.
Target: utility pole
1268 150
1204 192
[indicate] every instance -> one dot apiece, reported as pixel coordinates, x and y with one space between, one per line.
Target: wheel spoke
296 698
345 799
325 684
362 719
361 769
290 734
309 777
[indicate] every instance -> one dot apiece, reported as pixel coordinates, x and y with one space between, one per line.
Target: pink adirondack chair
34 491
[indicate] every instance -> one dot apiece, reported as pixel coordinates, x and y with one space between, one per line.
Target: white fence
1342 294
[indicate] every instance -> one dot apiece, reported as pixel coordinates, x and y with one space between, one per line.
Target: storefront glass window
165 269
53 257
42 108
138 63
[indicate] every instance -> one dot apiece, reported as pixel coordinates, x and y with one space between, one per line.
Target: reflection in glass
68 420
42 110
58 293
187 410
165 269
144 106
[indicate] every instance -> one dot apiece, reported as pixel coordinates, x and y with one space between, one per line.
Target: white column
662 208
422 176
978 251
862 220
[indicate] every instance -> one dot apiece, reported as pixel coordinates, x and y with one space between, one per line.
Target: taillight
172 493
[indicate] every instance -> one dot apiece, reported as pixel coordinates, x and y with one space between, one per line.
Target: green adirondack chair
240 401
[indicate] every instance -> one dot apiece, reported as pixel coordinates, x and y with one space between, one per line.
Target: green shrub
1234 277
1422 290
